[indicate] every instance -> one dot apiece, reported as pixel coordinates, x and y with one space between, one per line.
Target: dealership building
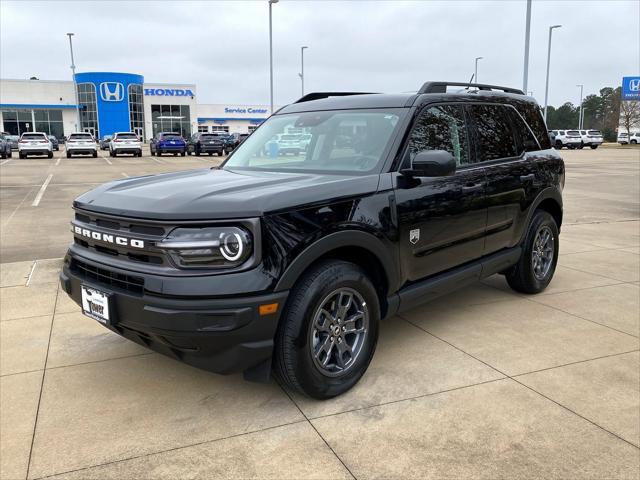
109 102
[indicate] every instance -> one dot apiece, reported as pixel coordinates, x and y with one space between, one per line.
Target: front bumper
222 335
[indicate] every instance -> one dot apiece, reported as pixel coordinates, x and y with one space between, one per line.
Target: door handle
472 187
528 178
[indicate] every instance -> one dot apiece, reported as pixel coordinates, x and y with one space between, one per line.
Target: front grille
106 277
150 233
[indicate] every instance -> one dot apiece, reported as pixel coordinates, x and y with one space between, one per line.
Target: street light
475 74
580 116
75 86
546 87
527 36
301 74
271 2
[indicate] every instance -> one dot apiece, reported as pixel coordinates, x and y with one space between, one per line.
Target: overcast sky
386 46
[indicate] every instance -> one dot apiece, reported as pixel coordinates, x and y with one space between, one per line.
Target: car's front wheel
328 330
539 257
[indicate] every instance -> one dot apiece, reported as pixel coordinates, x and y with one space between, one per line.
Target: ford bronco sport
289 263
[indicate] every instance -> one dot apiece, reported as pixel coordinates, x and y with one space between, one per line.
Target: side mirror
432 163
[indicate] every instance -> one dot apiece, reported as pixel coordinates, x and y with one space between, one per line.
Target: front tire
537 264
328 330
559 145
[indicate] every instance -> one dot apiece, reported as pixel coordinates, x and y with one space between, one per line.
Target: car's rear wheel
49 154
328 330
634 142
540 248
558 144
593 147
21 155
95 154
581 146
182 154
158 153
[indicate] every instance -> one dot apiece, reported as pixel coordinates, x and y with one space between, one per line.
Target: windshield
340 141
80 136
33 136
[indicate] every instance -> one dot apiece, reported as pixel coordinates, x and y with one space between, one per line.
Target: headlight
212 247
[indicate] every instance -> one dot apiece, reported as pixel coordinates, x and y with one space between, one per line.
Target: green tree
563 118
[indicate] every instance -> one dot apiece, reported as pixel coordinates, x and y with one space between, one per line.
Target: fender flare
346 238
552 193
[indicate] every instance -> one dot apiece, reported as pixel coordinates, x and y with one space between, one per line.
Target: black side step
454 279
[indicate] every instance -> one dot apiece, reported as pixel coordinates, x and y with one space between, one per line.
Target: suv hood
217 194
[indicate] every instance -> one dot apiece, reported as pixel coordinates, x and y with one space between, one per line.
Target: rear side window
594 132
573 132
533 116
525 140
493 131
441 127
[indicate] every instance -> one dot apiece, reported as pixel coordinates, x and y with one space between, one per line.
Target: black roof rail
441 87
318 95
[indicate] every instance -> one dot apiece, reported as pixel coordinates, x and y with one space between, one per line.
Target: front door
442 220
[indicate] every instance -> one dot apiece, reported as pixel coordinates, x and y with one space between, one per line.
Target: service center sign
631 88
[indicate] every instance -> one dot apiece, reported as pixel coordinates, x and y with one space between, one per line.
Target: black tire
559 145
68 154
522 277
634 142
581 146
158 154
21 155
593 147
95 154
182 154
10 154
3 155
140 153
49 154
294 364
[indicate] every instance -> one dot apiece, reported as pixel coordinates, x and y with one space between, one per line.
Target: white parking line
107 160
124 174
58 161
161 162
5 161
33 267
36 201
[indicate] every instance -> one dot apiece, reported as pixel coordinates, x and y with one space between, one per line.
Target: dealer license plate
95 304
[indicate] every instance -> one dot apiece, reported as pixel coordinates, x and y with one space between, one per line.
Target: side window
441 127
495 138
526 141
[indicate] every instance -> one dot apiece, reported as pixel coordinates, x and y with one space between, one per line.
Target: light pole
75 86
546 86
580 115
475 73
271 2
302 68
527 36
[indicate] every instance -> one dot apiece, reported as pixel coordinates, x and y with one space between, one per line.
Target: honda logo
111 91
634 84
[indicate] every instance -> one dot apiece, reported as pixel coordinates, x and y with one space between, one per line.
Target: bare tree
630 115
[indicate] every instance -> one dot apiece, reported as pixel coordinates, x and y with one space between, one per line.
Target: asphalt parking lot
483 383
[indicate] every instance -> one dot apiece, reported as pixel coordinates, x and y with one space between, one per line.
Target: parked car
634 138
209 143
104 142
34 143
54 142
13 141
624 138
591 138
229 141
273 263
125 142
81 143
567 138
5 146
168 142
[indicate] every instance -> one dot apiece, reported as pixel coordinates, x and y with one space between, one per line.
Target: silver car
125 142
81 143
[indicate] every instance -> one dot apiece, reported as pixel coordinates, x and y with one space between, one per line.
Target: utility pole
475 74
271 2
301 74
580 115
75 86
546 86
527 36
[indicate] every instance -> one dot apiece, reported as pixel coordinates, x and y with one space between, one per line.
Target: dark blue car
168 142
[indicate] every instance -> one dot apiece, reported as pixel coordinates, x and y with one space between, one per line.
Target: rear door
442 220
506 146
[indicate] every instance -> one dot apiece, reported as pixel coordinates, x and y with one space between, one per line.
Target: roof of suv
431 90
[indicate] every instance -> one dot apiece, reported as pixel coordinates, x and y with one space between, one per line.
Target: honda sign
111 91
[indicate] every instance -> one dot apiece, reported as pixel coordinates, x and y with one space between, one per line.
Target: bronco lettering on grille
124 241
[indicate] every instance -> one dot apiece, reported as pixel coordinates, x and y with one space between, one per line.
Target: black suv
290 262
210 143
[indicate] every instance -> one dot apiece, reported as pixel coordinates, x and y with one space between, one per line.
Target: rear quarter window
533 116
496 139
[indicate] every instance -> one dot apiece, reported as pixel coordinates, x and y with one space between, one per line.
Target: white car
567 138
81 143
125 142
34 143
625 138
591 138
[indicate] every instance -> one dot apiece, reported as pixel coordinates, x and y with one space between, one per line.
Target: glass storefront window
16 122
136 110
88 108
171 118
